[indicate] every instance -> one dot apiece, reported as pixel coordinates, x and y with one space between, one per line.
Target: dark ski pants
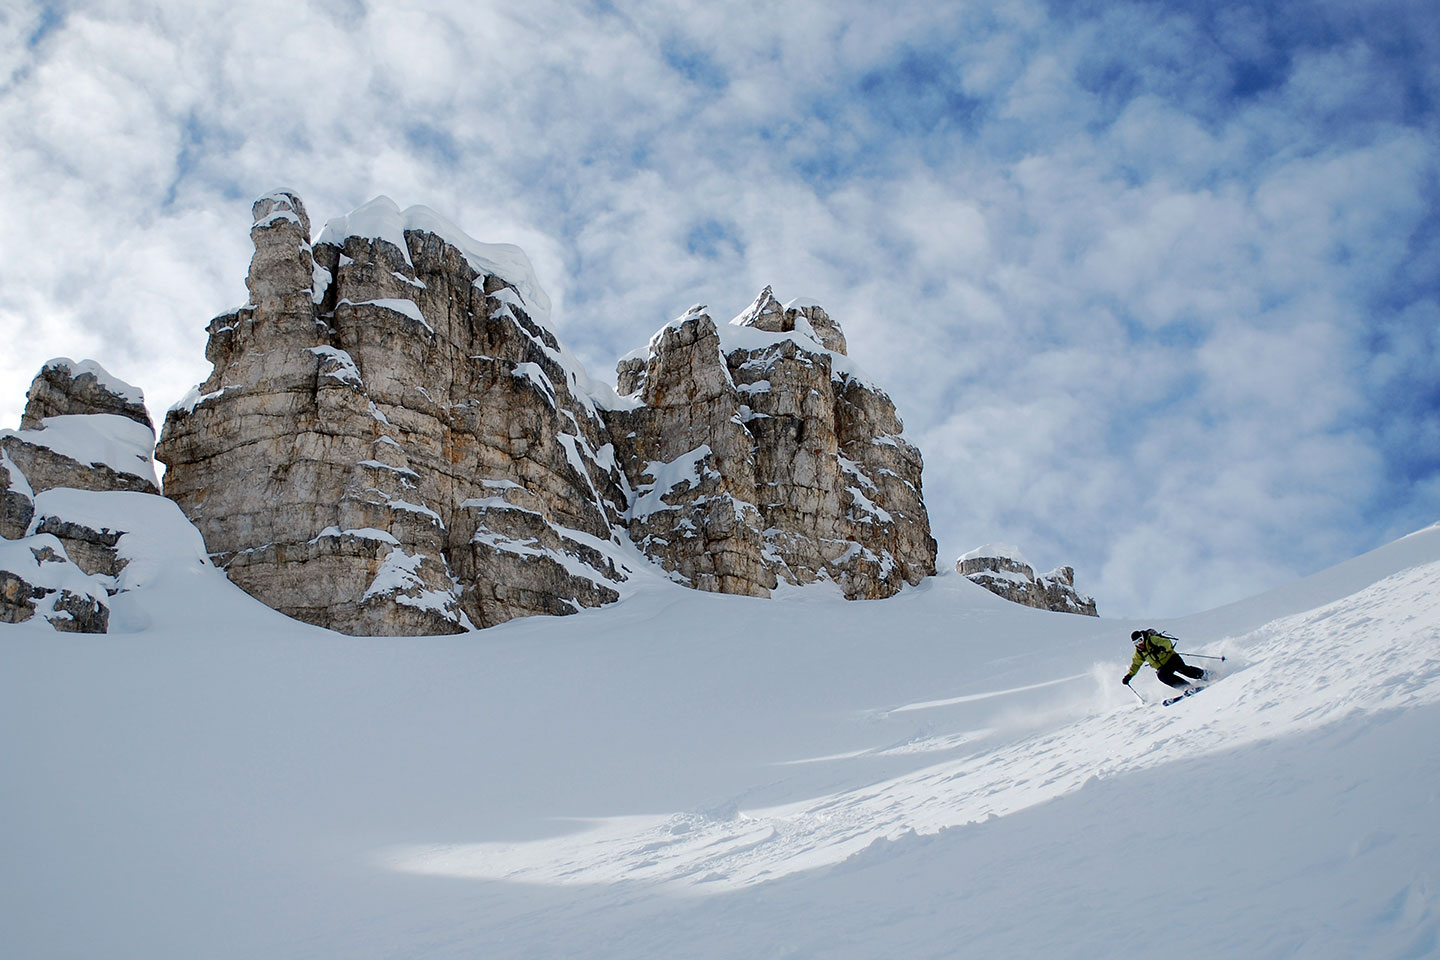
1175 665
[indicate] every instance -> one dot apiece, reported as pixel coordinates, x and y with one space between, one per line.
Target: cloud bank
1155 286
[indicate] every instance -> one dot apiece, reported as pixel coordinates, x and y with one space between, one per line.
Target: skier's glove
1125 679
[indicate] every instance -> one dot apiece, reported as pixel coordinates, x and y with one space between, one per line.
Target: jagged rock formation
759 453
391 441
82 430
1003 571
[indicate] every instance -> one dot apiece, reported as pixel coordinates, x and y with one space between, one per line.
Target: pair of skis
1189 692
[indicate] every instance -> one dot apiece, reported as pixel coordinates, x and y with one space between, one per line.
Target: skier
1154 647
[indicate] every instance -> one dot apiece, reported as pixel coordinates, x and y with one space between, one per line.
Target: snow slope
691 775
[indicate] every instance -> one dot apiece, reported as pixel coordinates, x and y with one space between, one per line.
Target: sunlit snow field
691 775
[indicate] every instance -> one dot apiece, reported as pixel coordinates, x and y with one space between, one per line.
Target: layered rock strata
83 432
760 453
391 440
1001 570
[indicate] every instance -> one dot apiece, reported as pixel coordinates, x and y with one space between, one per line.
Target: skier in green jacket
1153 647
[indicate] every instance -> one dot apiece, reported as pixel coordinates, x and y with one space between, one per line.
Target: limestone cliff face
1001 570
391 441
82 430
759 453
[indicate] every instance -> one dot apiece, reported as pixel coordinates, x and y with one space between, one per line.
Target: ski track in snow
1375 650
970 698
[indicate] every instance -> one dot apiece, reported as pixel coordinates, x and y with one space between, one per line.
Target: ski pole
1201 656
1136 692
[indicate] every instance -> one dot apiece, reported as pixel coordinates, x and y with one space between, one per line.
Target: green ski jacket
1155 651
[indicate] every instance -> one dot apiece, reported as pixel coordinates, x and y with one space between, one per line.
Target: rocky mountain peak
392 440
804 318
764 313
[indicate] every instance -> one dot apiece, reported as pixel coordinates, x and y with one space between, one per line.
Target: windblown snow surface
686 775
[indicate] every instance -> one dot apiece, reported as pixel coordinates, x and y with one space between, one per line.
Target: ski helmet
1137 636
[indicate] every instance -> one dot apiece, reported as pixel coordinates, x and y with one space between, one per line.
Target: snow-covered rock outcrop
1003 570
762 453
392 441
84 433
83 428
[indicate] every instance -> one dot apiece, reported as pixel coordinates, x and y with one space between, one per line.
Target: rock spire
391 441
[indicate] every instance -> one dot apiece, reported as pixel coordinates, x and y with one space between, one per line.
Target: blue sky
1155 286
